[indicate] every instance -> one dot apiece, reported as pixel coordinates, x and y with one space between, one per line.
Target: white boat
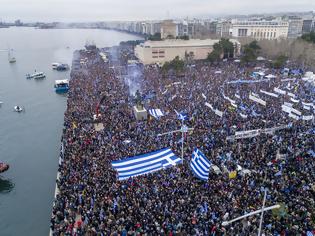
55 65
37 75
11 58
18 109
62 86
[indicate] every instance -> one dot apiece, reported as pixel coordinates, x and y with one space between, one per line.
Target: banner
219 113
243 116
258 100
291 95
294 100
255 132
209 105
307 117
306 107
270 94
289 110
204 96
216 111
294 116
279 91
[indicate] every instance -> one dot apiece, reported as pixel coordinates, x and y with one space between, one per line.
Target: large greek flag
156 113
145 164
200 165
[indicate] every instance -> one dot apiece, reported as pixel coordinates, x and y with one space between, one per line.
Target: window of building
155 57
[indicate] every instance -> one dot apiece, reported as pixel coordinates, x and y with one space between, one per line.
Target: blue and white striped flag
181 116
200 165
145 164
309 233
156 113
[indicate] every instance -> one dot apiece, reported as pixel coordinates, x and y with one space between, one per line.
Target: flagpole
262 213
182 141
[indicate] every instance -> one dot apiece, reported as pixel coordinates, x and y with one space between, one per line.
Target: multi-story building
151 52
295 27
223 28
168 29
260 29
308 26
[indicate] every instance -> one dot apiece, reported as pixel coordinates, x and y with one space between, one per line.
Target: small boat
37 75
18 109
11 58
62 67
61 86
3 167
55 65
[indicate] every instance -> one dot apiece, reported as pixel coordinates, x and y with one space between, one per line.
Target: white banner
219 113
279 91
258 100
307 117
243 115
294 100
290 110
216 111
306 107
209 105
255 132
291 95
288 104
270 94
204 96
294 116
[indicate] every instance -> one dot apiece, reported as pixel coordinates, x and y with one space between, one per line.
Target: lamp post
183 129
262 210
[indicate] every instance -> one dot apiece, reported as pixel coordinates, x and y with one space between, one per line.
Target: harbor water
30 140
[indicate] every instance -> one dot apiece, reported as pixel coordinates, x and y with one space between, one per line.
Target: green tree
224 48
155 37
310 37
176 64
280 61
250 52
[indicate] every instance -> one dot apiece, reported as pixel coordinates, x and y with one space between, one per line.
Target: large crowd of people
90 199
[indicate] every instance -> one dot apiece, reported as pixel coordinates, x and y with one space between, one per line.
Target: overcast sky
102 10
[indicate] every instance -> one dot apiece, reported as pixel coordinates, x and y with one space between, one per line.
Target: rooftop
182 43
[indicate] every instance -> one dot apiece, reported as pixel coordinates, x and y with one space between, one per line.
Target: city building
260 29
151 52
308 26
223 28
295 27
168 29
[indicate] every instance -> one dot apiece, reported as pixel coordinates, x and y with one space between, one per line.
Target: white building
151 52
260 29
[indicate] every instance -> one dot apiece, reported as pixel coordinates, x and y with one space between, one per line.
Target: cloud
98 10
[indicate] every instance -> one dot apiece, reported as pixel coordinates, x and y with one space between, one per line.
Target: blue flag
200 165
145 164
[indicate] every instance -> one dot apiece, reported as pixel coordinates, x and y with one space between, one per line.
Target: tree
280 61
224 48
176 64
155 37
310 37
250 52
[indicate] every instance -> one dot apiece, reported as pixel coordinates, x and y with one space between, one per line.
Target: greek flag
156 113
200 165
309 233
181 116
145 164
